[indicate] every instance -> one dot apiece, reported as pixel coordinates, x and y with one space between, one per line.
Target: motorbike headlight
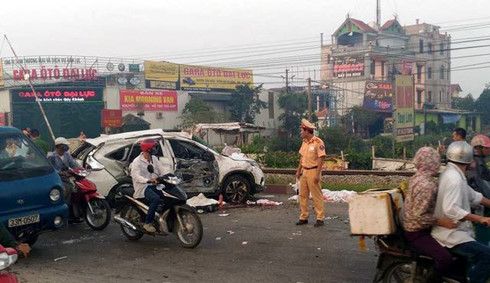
7 260
54 195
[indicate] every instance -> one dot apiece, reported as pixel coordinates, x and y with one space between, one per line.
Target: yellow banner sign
162 75
404 111
210 78
1 73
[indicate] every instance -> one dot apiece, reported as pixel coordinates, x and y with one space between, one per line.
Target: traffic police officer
309 172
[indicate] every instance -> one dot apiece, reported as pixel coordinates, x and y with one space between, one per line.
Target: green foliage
285 144
483 104
337 139
363 118
245 104
294 105
281 159
359 160
258 144
383 146
197 111
464 103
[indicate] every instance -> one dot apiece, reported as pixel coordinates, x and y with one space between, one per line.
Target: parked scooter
8 256
87 203
173 214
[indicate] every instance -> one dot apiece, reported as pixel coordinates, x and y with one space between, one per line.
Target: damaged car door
196 166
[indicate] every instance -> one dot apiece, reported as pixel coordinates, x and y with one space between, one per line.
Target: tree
294 105
197 111
463 103
362 117
483 104
245 103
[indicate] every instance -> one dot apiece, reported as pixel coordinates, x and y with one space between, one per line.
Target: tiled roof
455 88
387 24
362 25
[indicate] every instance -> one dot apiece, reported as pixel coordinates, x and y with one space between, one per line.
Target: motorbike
173 215
398 262
87 203
8 256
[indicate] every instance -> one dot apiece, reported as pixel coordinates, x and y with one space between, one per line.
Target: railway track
343 172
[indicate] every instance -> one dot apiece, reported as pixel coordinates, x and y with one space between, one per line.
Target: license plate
20 221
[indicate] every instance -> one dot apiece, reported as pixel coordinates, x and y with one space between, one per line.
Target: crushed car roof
136 134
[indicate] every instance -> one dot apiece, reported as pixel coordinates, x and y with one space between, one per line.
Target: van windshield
20 158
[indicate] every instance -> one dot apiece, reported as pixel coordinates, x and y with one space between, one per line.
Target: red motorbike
87 203
8 256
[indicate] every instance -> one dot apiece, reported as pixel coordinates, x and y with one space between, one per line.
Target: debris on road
331 196
264 202
60 258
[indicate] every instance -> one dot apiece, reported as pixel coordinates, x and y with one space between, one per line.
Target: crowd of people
438 213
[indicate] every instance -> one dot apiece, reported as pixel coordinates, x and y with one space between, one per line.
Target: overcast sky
254 34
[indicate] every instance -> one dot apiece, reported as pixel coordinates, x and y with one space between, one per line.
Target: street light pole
309 99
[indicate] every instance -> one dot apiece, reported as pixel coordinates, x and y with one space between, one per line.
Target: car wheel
236 189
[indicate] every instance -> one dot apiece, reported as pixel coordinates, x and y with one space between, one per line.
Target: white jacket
140 174
454 200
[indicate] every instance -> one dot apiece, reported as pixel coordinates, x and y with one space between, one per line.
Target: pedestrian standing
36 138
309 173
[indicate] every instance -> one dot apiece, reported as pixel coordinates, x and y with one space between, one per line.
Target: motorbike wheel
401 272
101 216
131 214
191 234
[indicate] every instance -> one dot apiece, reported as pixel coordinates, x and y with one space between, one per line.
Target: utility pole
287 82
28 78
309 99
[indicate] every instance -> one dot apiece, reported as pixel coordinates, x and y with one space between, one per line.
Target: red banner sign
148 100
2 119
111 118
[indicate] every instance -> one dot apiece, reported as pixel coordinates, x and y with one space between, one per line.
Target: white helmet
460 152
61 140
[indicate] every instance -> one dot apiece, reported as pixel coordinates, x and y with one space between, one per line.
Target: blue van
31 198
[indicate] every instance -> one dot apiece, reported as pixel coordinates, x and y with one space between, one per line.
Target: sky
267 36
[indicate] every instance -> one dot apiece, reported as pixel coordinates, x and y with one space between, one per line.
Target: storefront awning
450 118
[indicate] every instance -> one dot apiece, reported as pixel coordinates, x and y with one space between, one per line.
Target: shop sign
210 78
148 100
378 96
3 119
404 108
134 67
348 66
111 118
161 75
57 95
165 75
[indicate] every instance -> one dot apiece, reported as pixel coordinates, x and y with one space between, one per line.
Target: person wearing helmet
454 200
478 178
62 161
420 201
144 170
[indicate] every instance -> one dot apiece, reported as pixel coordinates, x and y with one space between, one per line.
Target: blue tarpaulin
450 118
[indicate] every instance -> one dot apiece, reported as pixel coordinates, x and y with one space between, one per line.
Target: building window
419 96
429 73
373 67
271 105
421 45
429 48
440 96
441 48
441 73
429 96
419 73
382 70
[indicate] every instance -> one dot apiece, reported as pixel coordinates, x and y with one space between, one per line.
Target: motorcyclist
454 199
419 207
479 179
62 161
144 181
7 240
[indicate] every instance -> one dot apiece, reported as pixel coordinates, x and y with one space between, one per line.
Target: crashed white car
202 169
